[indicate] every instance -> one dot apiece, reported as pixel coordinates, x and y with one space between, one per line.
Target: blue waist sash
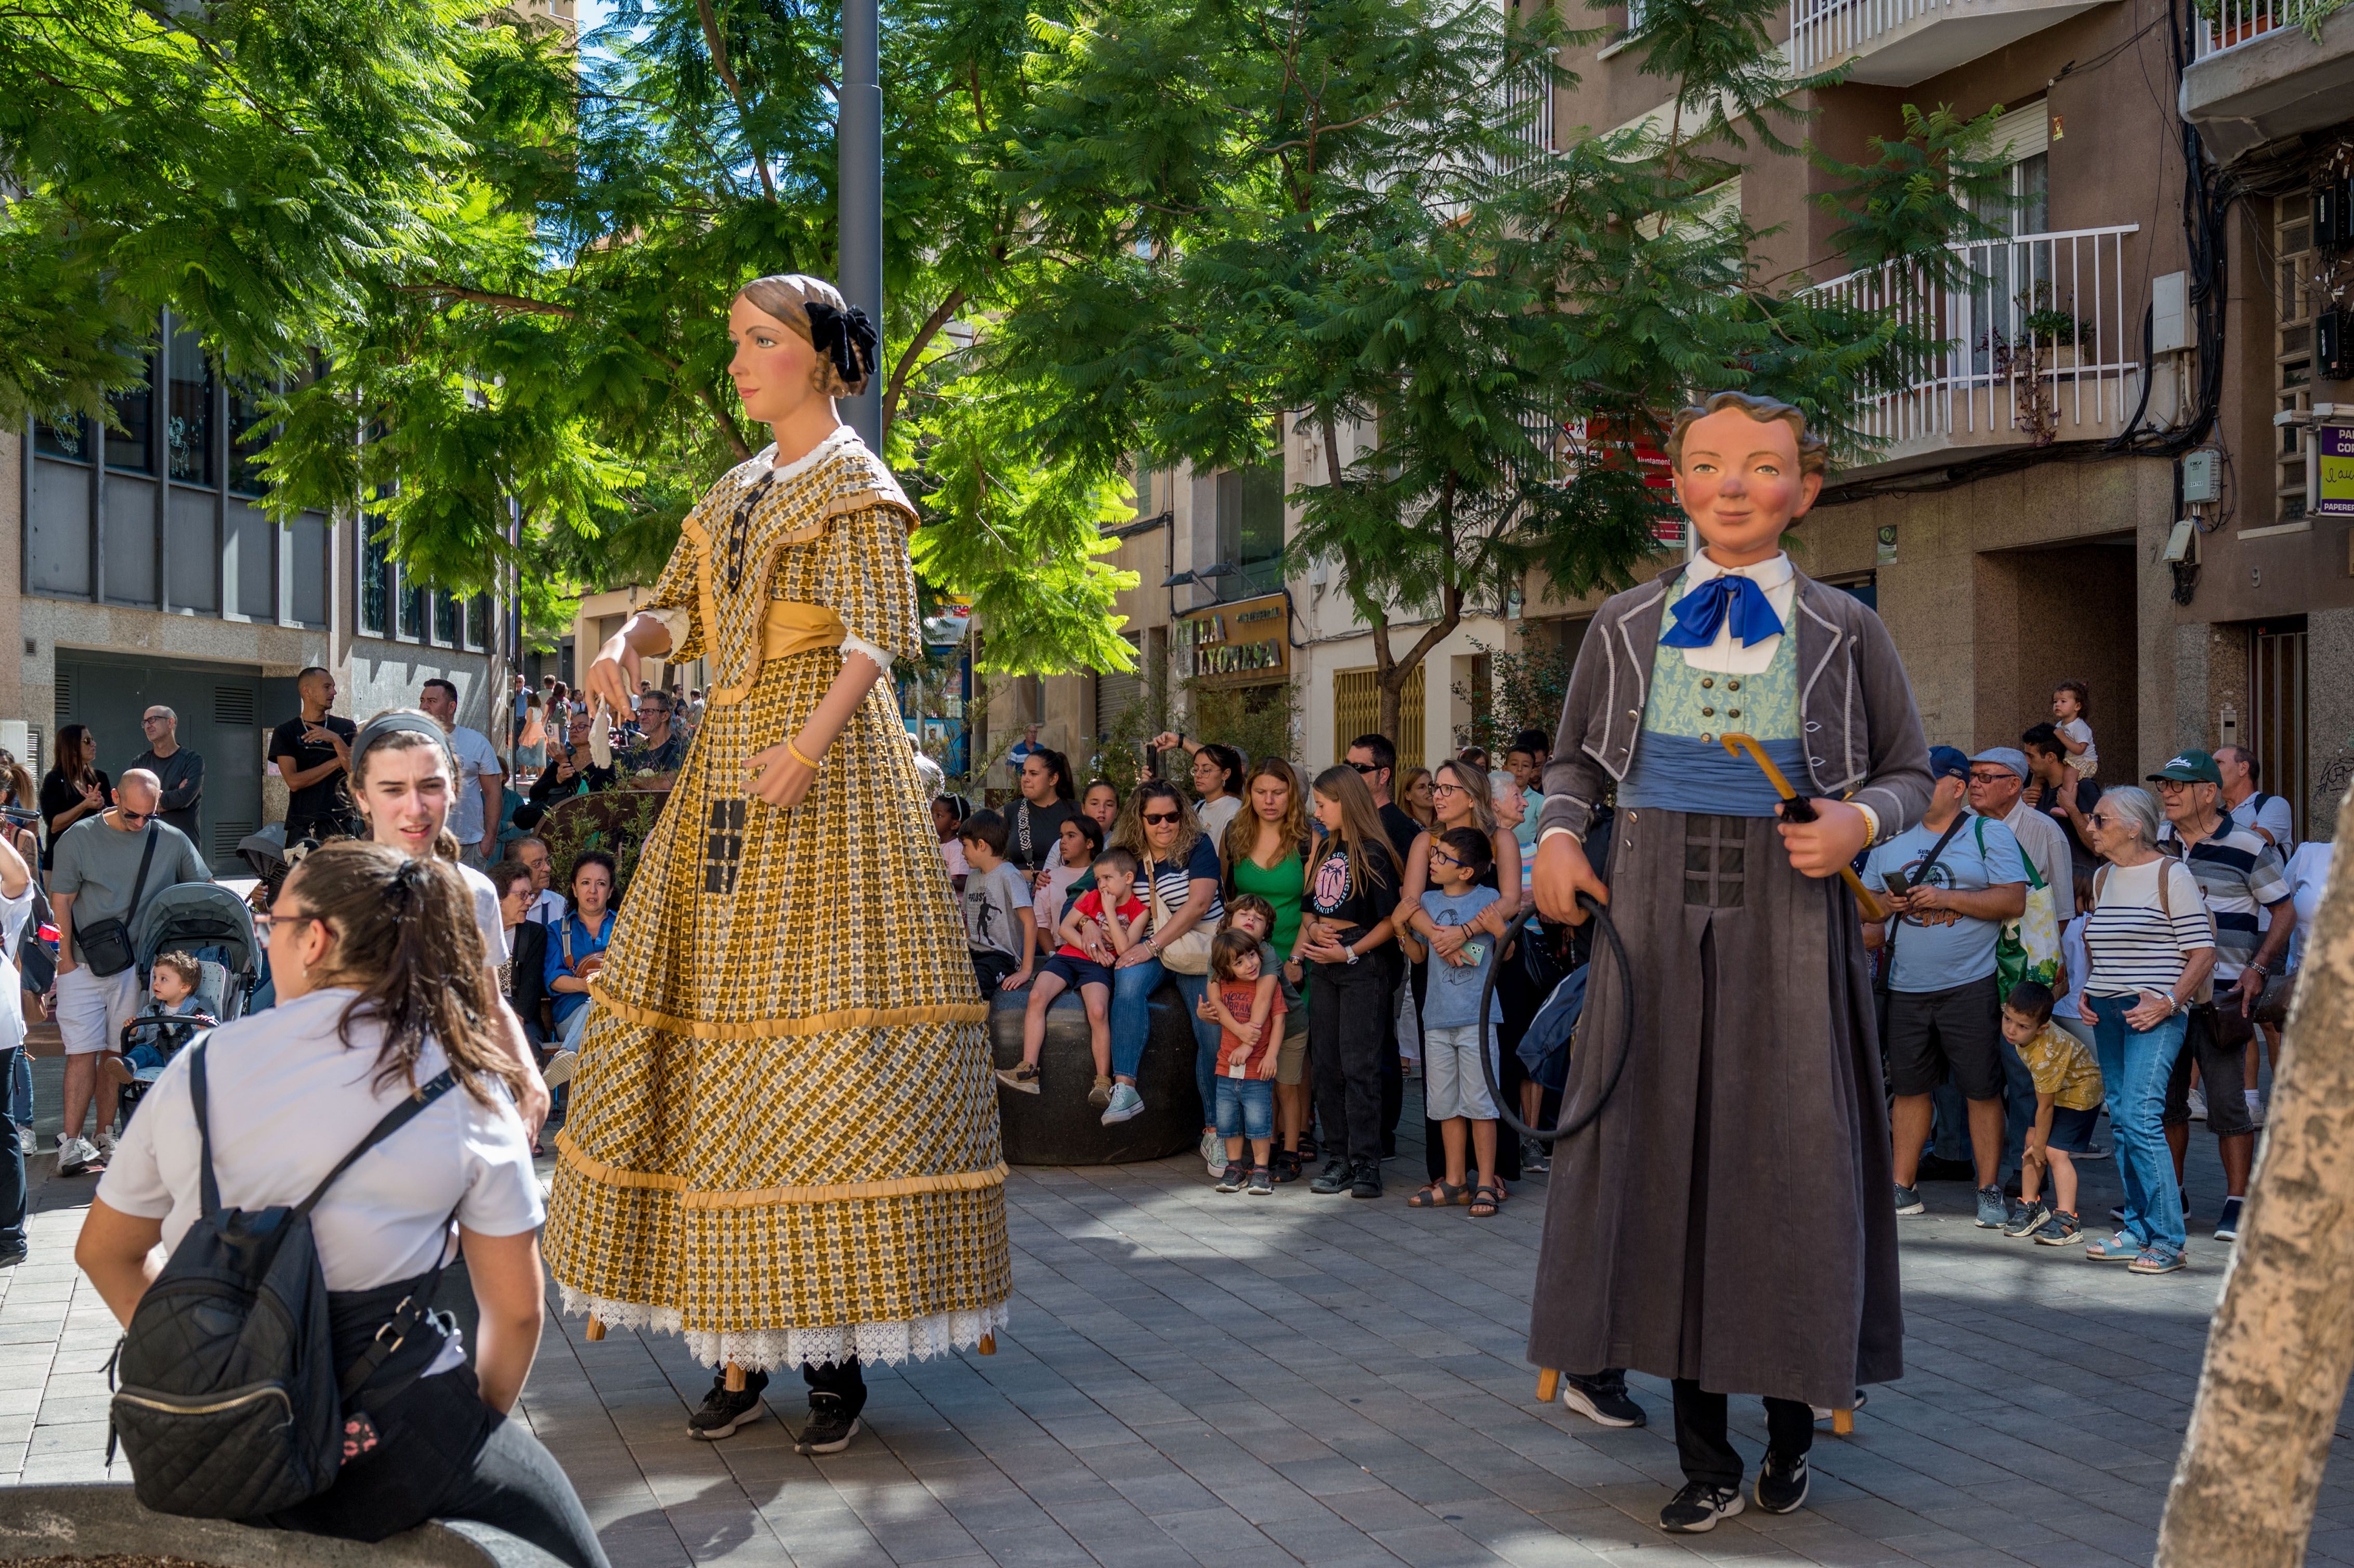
1685 773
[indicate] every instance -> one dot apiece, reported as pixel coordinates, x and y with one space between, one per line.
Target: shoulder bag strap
208 1188
1920 877
138 886
400 1116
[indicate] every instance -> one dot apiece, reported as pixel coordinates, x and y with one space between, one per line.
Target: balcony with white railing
1896 43
2040 343
2265 69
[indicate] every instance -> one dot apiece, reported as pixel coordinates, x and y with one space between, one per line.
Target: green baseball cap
2189 768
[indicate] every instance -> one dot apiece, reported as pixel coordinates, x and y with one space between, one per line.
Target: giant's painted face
1740 482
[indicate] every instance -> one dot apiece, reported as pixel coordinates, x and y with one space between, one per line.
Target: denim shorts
1076 973
2072 1130
1245 1107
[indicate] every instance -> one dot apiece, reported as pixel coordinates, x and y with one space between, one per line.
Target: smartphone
1894 882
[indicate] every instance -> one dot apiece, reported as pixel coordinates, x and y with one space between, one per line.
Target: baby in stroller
182 999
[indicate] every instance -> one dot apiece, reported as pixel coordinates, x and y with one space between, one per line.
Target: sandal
1439 1195
1485 1202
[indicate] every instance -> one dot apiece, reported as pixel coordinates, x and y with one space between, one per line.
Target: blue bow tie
1700 612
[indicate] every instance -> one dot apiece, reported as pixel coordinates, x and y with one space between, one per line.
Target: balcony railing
2037 338
1907 41
2237 22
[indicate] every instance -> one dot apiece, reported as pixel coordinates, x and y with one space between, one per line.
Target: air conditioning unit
2333 356
2333 215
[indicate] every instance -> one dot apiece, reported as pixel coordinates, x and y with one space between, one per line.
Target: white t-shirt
2308 873
2079 968
2272 818
13 912
547 909
1214 816
288 1100
476 757
486 915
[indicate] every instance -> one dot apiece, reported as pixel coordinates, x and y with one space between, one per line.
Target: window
2292 350
128 448
246 437
446 619
67 441
189 419
411 602
478 621
376 582
1250 530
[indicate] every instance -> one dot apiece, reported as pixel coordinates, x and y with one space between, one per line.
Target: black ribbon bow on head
846 338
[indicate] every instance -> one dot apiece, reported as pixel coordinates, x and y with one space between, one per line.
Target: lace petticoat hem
773 1350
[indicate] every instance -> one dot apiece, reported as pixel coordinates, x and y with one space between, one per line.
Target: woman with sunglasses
73 788
382 989
1178 879
1459 797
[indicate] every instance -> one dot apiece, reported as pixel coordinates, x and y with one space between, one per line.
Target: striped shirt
2135 946
2239 875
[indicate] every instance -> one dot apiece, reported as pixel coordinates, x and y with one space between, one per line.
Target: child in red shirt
1248 1006
1092 942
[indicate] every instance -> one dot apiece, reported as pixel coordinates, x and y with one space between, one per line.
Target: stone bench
106 1521
1057 1125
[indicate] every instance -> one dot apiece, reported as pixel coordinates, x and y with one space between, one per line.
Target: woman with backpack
384 1001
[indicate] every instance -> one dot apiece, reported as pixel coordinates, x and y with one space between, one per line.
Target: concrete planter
96 1521
1057 1125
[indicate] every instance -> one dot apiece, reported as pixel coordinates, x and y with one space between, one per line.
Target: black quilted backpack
229 1405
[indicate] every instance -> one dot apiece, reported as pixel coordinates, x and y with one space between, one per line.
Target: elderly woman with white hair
2152 950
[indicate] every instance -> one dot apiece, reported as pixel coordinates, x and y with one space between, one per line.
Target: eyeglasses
1160 817
276 919
1995 778
155 718
2102 820
1448 790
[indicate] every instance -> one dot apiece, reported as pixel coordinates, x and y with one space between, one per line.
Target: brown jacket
1862 733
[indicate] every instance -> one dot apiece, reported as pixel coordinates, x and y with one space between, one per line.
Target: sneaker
2255 1107
28 1142
1214 1153
1782 1483
1125 1103
2156 1260
74 1156
2027 1218
1262 1183
1602 1399
1367 1181
115 1068
1334 1178
559 1068
2064 1230
1994 1209
1100 1096
105 1148
1233 1179
13 1254
2197 1102
1536 1156
2227 1227
1697 1506
829 1428
723 1411
1908 1200
1022 1078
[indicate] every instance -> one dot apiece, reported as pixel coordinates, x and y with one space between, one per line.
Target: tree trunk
2283 1342
1392 710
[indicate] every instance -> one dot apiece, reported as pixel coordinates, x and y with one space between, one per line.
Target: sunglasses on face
128 815
1365 767
1160 817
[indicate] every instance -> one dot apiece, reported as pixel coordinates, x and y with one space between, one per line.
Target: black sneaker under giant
724 1411
1601 1399
1697 1508
829 1428
1782 1483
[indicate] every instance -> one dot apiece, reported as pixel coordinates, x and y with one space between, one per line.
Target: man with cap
1951 881
1998 778
2247 893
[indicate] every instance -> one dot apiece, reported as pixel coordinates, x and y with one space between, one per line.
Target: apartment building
144 571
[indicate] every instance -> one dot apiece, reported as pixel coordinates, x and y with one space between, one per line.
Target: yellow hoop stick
1734 745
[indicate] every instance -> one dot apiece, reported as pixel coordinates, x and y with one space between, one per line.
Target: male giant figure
1725 1221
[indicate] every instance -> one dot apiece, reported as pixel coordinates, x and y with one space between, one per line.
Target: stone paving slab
1197 1378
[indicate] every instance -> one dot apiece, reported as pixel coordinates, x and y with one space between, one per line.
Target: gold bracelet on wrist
804 761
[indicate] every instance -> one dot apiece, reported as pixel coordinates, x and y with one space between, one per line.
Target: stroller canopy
198 914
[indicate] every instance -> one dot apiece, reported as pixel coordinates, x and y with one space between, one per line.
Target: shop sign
1238 644
2337 454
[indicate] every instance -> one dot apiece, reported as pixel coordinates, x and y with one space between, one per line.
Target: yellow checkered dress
783 1140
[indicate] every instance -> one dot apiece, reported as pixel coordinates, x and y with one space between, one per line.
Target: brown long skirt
1727 1216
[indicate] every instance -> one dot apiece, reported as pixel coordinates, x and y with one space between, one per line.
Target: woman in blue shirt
575 947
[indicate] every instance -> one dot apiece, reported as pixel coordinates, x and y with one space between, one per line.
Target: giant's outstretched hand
1826 846
1563 873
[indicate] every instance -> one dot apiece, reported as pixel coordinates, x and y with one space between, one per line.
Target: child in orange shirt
1248 1006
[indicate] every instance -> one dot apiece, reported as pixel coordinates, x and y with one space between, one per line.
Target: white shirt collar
767 454
1769 574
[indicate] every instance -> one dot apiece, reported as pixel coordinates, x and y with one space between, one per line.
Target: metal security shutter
1357 710
1115 695
2025 132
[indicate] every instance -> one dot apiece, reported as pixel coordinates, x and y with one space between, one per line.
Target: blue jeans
1193 988
1132 1015
12 1158
2134 1068
1246 1108
20 1090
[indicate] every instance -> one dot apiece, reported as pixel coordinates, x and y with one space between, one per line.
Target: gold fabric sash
788 626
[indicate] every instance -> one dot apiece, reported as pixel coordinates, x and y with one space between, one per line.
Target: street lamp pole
858 137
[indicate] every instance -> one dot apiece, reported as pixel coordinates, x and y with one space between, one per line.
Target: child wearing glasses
1455 1079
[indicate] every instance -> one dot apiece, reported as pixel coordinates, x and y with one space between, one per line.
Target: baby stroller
213 925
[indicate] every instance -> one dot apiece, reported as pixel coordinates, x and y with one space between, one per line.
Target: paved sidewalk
1197 1378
